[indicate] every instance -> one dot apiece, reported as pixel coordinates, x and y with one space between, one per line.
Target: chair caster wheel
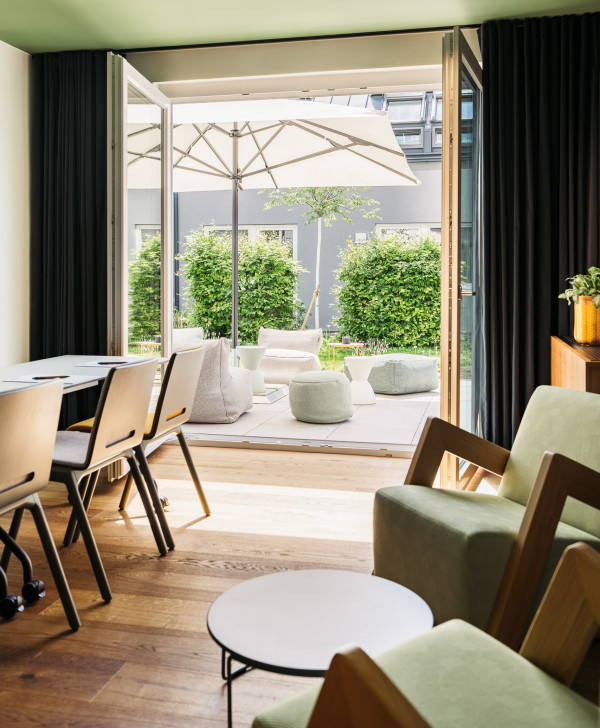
164 501
33 590
10 605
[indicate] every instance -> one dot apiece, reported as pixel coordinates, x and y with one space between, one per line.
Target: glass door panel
461 240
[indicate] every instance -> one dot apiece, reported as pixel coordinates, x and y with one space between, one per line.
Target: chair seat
463 538
509 691
86 425
71 449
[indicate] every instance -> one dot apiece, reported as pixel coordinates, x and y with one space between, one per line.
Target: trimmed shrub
144 291
390 289
267 283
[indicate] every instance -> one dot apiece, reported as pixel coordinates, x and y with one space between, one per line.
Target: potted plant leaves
585 294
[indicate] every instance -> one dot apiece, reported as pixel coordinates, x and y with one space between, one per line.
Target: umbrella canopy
274 143
280 143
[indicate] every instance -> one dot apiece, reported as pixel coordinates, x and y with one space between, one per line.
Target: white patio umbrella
266 144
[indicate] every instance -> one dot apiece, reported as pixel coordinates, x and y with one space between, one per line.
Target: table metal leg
229 677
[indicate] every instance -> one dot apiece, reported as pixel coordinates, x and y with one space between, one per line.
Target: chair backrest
309 340
120 417
562 421
28 424
178 390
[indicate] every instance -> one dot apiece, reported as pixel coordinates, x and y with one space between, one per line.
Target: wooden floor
146 658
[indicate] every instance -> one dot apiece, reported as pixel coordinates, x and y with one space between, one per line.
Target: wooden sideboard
575 366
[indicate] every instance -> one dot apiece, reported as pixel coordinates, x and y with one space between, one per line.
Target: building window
436 136
410 228
406 108
286 234
144 233
409 137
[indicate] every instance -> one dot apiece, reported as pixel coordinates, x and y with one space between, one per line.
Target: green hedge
267 283
390 289
144 291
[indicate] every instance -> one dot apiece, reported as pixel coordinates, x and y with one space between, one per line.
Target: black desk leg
229 677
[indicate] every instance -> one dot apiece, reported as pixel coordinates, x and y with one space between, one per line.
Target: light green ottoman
321 397
402 373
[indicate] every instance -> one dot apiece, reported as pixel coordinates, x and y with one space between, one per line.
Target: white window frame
255 230
140 229
409 227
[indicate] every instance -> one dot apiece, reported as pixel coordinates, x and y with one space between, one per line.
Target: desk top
75 367
293 622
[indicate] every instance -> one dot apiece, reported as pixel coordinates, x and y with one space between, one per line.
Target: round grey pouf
321 397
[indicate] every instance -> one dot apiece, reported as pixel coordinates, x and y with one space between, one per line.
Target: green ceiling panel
54 25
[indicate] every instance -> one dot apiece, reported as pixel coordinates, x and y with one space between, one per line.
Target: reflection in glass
469 274
144 213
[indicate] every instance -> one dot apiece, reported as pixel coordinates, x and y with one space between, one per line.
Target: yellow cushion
86 425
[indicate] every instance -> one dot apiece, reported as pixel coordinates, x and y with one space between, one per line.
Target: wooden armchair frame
358 694
558 478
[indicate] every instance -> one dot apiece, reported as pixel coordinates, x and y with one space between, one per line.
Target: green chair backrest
562 421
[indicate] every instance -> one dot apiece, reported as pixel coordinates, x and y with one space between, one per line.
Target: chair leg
193 472
88 537
86 490
55 566
126 492
13 533
152 515
152 490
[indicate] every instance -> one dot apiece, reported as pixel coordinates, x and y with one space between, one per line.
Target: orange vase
587 321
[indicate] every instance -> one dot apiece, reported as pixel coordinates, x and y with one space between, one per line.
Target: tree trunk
317 272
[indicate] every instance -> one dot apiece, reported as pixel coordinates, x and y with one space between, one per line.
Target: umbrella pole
234 247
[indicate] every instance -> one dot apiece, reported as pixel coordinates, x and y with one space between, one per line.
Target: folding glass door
461 240
141 249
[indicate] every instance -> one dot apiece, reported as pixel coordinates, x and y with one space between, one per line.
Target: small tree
267 283
324 203
390 289
144 291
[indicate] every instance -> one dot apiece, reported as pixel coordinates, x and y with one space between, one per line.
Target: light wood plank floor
146 658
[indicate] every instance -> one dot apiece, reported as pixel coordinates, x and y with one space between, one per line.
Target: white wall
14 205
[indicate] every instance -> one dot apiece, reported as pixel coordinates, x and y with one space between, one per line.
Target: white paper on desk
107 362
67 380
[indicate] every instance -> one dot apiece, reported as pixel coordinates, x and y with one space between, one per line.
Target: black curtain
541 129
68 218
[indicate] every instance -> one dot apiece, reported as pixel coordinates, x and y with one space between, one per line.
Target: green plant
584 285
323 204
267 283
144 291
390 289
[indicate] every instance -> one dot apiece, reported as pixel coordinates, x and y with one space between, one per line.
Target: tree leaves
390 289
267 283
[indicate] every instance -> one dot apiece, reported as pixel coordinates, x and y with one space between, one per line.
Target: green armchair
486 559
456 676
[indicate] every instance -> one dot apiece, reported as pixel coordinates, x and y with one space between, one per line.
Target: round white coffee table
251 356
360 368
293 622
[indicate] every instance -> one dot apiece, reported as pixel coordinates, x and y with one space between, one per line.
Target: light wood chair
173 410
28 422
457 676
117 429
467 554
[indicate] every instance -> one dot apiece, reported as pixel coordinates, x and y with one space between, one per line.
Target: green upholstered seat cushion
451 547
458 677
562 421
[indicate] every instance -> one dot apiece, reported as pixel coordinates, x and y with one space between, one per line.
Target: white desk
61 366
